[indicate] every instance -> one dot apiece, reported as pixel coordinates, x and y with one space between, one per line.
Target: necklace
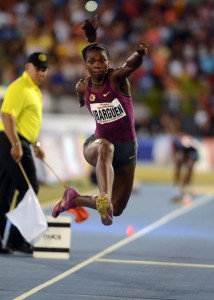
98 83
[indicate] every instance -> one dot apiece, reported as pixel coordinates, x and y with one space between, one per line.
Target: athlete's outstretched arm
133 62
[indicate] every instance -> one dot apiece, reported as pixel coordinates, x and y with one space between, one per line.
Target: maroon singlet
112 112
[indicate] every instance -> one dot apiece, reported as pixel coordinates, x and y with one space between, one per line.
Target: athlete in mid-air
112 149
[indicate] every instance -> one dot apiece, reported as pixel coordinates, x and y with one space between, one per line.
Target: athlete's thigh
91 148
122 187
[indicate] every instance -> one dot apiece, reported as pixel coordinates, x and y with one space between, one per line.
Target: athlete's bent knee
118 211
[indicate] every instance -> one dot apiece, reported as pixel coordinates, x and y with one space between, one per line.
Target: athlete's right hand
90 29
16 153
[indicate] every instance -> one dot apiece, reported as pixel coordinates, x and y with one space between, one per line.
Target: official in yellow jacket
20 124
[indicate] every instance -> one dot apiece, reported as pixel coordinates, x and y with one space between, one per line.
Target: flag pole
79 211
51 169
24 174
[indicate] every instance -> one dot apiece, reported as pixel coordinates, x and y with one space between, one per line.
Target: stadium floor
168 256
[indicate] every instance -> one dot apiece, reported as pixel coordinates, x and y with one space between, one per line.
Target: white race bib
107 112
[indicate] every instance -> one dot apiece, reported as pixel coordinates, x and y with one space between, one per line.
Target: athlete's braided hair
90 28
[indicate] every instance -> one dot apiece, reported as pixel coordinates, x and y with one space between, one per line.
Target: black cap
39 59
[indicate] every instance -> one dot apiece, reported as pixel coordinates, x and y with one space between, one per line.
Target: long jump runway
168 256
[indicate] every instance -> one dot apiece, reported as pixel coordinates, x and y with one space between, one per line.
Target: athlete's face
97 63
38 75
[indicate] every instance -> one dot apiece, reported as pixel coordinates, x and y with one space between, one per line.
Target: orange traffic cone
80 213
130 230
186 200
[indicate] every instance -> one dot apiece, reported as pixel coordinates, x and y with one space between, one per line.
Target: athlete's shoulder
117 74
112 71
82 85
114 74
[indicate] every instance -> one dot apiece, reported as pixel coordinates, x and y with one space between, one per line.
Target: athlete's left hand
142 48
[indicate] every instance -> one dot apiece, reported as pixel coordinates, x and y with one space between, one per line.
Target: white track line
167 218
154 263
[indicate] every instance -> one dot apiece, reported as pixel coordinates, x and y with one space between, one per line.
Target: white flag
28 216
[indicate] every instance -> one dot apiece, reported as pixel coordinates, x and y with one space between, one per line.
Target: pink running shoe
65 203
105 209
